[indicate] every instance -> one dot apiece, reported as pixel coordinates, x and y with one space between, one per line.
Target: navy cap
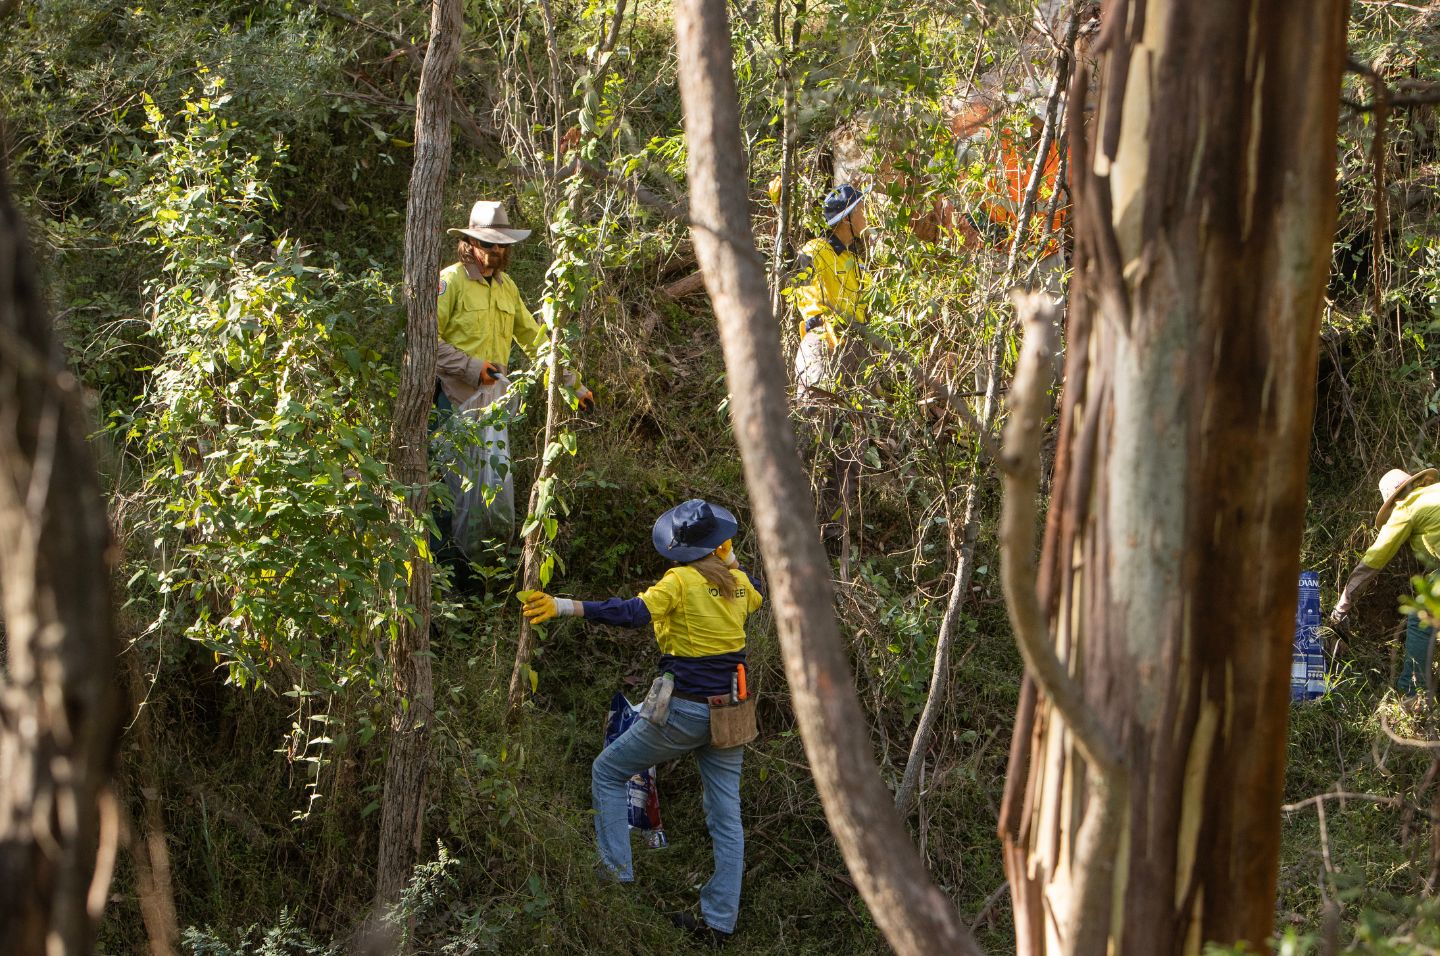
839 203
689 531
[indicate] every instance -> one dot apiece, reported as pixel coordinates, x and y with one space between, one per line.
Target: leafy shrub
265 496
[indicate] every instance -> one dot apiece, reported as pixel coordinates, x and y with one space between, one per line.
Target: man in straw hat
1411 512
481 317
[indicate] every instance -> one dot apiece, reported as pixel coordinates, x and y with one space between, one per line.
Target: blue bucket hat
692 530
840 202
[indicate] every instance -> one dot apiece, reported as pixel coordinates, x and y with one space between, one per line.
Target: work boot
699 930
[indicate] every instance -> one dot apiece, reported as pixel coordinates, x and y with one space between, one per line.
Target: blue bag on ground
644 796
1307 662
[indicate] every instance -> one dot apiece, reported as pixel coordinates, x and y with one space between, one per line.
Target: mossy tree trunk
59 719
406 770
1205 212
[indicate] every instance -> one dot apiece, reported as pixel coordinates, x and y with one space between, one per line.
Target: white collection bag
474 448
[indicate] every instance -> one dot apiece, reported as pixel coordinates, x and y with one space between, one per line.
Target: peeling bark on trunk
403 800
59 726
915 917
1204 217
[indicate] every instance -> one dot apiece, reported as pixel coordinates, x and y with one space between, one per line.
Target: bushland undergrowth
242 361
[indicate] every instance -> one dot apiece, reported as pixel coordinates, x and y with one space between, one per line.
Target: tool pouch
732 725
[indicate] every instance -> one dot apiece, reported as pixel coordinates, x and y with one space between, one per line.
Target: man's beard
492 259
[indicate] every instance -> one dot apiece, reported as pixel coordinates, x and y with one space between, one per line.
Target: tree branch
1020 471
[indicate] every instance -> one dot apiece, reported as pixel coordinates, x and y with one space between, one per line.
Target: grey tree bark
1166 584
403 799
59 720
915 917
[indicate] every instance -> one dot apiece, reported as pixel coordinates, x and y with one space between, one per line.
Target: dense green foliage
218 193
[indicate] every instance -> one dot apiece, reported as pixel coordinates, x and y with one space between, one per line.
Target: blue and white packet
643 796
1307 661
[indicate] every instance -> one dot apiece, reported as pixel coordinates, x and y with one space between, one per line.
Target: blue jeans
686 729
1416 657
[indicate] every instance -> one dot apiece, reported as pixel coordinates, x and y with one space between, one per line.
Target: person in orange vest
994 217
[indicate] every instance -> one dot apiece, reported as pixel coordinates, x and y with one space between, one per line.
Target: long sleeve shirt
1416 519
701 635
828 286
479 320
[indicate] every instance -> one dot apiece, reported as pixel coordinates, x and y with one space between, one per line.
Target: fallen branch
690 285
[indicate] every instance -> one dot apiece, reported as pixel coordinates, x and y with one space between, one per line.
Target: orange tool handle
740 668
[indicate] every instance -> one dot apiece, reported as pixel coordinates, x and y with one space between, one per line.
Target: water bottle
657 703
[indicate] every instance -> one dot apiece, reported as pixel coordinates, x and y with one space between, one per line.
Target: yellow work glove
540 607
726 553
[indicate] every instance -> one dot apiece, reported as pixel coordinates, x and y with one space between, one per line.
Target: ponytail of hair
717 572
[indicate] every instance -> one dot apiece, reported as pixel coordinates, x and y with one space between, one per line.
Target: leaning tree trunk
1205 212
914 915
58 706
403 801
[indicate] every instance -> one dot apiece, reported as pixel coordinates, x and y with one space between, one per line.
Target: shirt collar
473 271
839 247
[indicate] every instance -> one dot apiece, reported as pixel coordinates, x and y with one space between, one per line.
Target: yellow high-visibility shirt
690 617
484 319
1416 519
829 283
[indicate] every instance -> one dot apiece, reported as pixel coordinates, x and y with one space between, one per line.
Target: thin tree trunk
530 559
402 803
789 134
59 727
905 792
149 850
965 558
915 916
1204 217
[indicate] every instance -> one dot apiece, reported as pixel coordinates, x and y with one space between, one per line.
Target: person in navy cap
829 295
698 610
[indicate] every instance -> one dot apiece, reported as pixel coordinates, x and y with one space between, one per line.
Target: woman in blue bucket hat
698 609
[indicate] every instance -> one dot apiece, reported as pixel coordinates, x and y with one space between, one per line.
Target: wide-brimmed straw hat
1398 483
689 531
490 223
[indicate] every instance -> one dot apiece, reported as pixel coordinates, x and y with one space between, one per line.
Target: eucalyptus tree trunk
1167 581
915 917
403 800
59 720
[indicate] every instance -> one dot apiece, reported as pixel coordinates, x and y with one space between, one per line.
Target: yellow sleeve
811 292
528 332
662 597
829 282
1395 533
